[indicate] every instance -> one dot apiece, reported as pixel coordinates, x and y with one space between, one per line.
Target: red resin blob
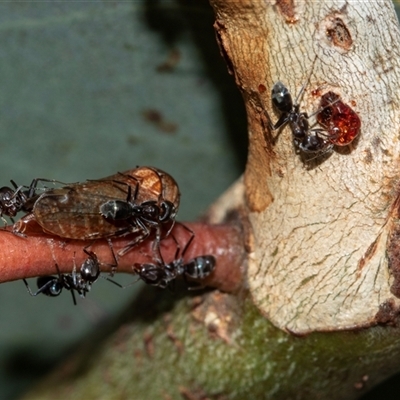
342 123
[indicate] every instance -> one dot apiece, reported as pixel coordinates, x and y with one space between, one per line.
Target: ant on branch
80 282
161 274
305 139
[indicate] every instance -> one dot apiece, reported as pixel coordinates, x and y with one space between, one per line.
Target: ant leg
112 281
124 184
128 197
136 241
64 283
42 288
189 242
323 108
18 191
283 119
156 245
115 264
178 248
73 296
300 95
74 274
33 186
132 199
137 184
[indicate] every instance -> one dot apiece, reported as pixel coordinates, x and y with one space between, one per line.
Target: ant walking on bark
305 139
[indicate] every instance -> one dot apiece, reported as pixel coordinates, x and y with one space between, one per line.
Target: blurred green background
91 88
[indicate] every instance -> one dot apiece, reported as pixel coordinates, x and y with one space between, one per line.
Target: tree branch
37 255
321 226
317 234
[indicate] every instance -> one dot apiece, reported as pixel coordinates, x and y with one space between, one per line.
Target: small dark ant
146 216
52 286
80 282
305 139
162 274
148 211
14 200
20 198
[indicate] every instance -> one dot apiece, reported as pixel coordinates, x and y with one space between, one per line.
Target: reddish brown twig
38 253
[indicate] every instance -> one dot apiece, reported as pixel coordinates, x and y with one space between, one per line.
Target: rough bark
321 226
318 232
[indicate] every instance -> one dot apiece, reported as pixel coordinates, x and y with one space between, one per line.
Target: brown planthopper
138 201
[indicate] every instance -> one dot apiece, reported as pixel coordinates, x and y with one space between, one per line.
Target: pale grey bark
321 227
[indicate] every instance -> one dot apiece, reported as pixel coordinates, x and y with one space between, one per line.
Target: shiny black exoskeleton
53 285
162 275
20 198
80 282
304 138
146 213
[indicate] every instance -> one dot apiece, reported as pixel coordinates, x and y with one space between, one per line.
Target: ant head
9 204
149 211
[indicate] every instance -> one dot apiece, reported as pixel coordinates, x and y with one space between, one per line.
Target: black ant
145 216
80 282
161 274
305 139
14 200
298 121
20 198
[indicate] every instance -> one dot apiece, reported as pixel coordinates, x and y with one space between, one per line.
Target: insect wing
74 211
154 185
170 189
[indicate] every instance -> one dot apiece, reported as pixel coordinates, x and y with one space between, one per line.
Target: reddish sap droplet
341 122
316 92
261 88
